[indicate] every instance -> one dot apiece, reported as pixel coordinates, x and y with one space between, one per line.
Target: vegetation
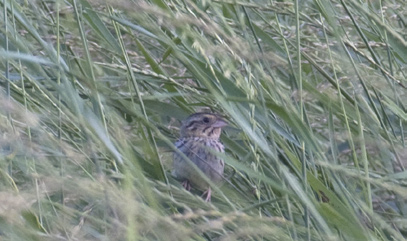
93 93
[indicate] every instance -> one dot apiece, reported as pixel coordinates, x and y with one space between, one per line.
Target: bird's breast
192 143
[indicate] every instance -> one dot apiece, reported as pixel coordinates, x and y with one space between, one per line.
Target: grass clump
93 92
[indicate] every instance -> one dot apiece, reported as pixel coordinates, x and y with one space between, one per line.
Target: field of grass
93 92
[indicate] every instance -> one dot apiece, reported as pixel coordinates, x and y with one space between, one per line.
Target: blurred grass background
92 94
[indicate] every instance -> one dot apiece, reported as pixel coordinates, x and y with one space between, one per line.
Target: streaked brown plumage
199 139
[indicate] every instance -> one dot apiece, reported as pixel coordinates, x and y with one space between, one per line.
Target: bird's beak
220 123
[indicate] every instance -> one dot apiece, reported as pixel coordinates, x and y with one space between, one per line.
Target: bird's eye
206 120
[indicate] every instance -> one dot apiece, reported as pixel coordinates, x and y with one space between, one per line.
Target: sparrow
199 142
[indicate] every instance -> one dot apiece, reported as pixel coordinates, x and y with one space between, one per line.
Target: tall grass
93 93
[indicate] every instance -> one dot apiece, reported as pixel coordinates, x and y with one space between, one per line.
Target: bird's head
202 124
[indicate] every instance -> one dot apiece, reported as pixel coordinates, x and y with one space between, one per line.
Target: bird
199 142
